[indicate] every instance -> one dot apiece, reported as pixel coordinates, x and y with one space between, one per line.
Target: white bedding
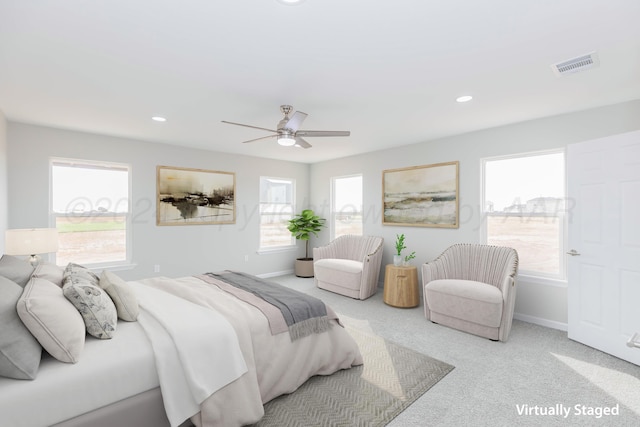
116 369
186 339
276 365
107 372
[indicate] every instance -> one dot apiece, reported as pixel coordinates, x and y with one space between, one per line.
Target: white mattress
108 371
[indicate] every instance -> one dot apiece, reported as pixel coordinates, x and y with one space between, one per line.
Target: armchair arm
371 272
368 257
508 306
433 270
506 286
326 251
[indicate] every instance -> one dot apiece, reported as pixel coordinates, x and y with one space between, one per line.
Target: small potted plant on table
397 258
302 226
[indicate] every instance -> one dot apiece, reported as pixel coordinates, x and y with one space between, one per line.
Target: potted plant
302 226
397 258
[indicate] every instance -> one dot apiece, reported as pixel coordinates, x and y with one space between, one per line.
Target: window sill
546 281
96 268
279 249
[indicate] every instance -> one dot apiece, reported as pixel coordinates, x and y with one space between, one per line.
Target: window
90 208
346 205
524 207
276 209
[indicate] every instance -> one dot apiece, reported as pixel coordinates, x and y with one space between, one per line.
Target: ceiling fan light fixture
286 140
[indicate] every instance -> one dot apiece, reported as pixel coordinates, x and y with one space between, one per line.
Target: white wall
4 195
179 250
184 250
542 303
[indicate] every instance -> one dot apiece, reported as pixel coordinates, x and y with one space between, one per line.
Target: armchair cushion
342 272
467 300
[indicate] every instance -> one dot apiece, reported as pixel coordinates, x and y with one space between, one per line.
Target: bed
202 350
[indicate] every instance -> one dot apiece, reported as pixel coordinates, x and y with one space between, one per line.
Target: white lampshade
30 241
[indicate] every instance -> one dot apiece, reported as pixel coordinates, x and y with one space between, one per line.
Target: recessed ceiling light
290 2
465 98
158 119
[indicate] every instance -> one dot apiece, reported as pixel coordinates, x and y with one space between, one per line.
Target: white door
604 237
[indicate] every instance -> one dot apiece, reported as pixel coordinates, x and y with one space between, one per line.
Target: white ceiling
388 71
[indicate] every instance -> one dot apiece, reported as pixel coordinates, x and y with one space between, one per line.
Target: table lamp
31 241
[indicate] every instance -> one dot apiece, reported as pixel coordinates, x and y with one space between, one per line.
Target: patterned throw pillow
81 287
76 273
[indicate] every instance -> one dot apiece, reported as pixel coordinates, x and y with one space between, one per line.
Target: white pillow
52 319
122 295
15 269
19 350
50 272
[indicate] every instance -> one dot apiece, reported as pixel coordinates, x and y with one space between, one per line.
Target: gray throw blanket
303 313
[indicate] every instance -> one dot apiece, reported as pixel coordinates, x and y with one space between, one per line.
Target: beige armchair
471 287
349 265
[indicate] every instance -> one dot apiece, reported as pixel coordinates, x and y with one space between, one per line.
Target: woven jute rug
390 380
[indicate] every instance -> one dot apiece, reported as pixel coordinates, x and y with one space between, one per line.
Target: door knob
573 252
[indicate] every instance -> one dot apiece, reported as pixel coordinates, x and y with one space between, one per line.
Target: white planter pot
397 260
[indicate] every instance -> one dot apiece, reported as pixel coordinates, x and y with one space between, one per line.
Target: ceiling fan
288 131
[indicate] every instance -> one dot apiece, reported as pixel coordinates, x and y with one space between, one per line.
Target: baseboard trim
540 321
275 273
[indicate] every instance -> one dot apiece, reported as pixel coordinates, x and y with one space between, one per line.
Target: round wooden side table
401 286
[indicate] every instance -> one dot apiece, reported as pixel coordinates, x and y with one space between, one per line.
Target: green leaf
304 224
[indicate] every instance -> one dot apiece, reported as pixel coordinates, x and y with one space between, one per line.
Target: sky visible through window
517 180
83 190
348 194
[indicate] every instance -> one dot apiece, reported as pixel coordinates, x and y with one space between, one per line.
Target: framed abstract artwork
195 196
425 196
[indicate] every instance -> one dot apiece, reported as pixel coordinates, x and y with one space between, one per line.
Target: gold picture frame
423 196
194 196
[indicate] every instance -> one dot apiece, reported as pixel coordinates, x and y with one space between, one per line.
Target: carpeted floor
495 384
391 378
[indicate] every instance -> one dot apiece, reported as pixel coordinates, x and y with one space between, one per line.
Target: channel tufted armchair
471 287
349 265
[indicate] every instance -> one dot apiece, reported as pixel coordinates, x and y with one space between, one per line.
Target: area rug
373 394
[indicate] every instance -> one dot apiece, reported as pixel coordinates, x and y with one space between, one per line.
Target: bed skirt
142 410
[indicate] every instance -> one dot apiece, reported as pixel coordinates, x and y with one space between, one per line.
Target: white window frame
334 212
125 263
292 242
559 279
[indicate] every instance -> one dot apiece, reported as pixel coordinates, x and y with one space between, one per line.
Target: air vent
575 65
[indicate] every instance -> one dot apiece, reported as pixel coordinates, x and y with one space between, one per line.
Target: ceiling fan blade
296 120
302 143
258 139
323 133
249 126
